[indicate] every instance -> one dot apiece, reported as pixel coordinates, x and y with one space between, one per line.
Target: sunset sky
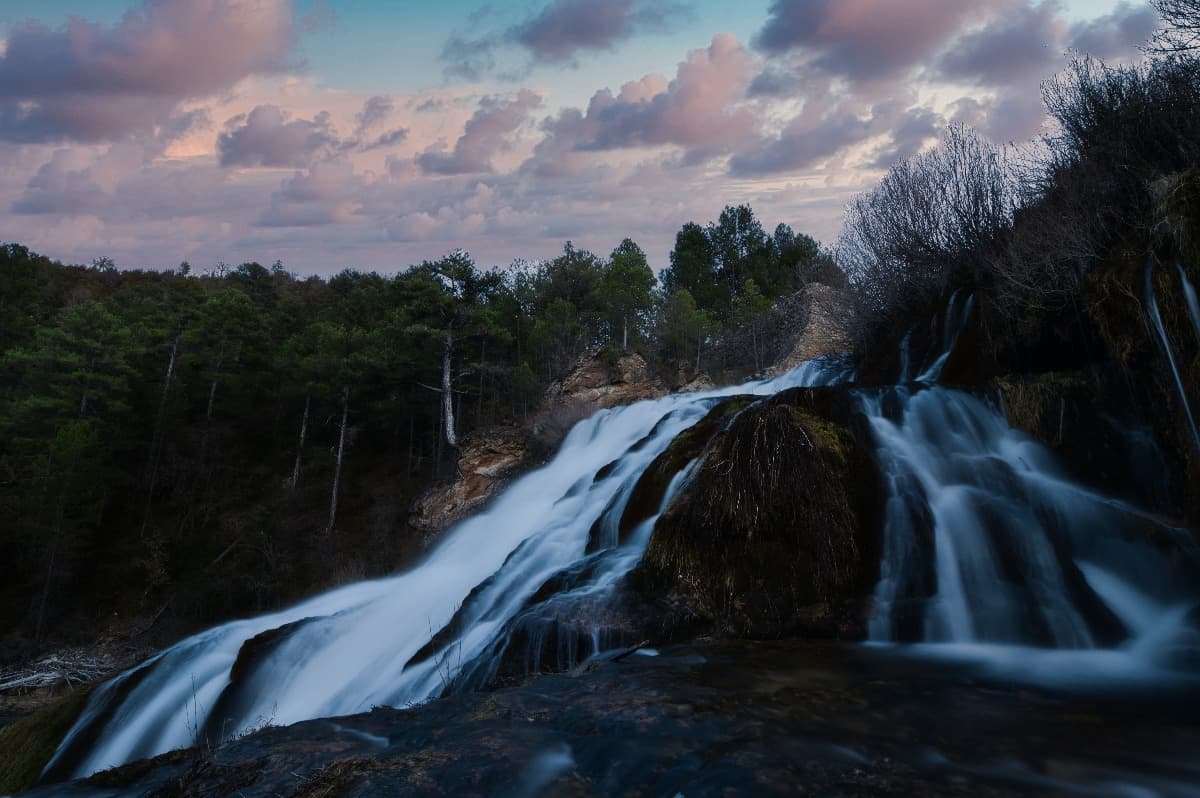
374 134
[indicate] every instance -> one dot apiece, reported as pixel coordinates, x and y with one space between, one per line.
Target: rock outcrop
826 327
777 534
490 457
599 384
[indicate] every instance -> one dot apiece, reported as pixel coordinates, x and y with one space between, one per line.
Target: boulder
778 532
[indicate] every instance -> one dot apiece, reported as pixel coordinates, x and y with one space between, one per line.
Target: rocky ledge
718 719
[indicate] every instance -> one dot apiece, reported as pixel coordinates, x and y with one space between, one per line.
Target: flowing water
408 638
992 553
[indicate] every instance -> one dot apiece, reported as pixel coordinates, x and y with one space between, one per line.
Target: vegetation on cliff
1064 246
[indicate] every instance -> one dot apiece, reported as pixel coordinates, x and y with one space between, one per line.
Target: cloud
697 111
267 136
322 195
868 39
1019 48
1117 34
487 133
89 82
560 32
61 188
828 126
374 112
564 28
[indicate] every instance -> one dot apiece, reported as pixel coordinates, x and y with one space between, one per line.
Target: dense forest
180 447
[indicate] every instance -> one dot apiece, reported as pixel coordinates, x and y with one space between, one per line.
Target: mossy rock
777 534
648 493
1091 424
29 743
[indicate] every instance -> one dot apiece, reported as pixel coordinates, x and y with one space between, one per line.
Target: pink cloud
697 111
487 133
867 39
90 82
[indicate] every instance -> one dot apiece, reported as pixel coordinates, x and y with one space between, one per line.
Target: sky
375 134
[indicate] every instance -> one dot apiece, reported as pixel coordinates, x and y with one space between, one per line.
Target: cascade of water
403 639
986 541
1189 295
1156 320
958 313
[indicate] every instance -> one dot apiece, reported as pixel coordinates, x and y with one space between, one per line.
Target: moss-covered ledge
777 534
26 745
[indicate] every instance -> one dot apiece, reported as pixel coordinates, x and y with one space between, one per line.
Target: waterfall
958 313
407 638
1189 296
991 551
986 540
1156 320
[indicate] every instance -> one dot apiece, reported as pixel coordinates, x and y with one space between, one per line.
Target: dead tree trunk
300 445
156 437
448 393
337 470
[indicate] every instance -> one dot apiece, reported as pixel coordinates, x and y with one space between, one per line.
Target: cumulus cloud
487 133
90 82
1024 44
565 28
268 136
1117 34
560 32
61 187
697 111
321 195
828 126
374 112
866 39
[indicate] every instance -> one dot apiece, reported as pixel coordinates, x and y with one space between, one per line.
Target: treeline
1027 229
188 447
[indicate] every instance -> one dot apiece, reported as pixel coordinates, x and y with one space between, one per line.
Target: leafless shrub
929 216
1181 26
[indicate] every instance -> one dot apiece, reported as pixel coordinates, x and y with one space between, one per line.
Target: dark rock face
734 718
778 532
1092 426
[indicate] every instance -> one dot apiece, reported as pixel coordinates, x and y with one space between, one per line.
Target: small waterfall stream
990 549
1160 329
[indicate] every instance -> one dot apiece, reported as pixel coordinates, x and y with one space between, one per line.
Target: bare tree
929 216
1181 26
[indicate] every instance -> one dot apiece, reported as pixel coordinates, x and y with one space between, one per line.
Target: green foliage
714 263
27 745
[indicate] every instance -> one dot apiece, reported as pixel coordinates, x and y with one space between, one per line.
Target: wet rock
1093 430
778 532
732 718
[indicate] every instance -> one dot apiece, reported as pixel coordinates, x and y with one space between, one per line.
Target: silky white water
353 648
992 554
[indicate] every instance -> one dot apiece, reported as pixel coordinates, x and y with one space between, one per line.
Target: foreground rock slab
718 719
